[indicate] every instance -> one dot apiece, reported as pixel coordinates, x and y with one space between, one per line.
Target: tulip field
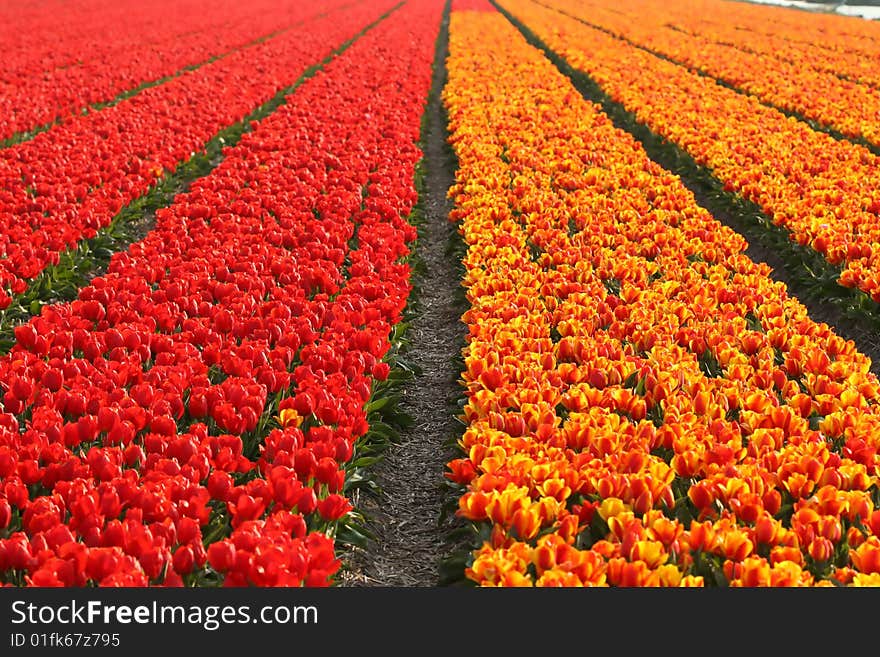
211 223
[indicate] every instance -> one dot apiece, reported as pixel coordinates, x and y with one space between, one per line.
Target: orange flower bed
823 191
841 46
792 83
825 42
645 407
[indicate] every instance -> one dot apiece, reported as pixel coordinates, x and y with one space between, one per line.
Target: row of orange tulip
843 46
790 84
822 32
645 407
798 26
823 191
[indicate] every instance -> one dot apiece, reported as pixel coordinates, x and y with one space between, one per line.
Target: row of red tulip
821 190
56 64
644 405
189 417
68 183
848 107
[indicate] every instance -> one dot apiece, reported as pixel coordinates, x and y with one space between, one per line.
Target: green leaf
366 461
351 536
376 405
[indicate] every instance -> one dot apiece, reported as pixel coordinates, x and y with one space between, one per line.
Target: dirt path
410 541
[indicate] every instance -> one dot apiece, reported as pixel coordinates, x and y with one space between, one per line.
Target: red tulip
221 556
5 514
183 560
333 507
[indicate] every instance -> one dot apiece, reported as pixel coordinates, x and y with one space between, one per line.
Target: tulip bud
5 514
183 560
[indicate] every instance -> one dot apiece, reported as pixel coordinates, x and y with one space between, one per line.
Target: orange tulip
751 572
871 579
788 574
628 574
703 495
873 522
556 578
503 504
766 530
701 536
462 471
798 485
736 545
663 529
472 505
780 554
866 557
556 488
288 417
568 528
820 549
650 552
692 581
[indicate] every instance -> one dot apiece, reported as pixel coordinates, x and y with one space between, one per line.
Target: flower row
644 405
825 42
188 418
821 190
847 107
69 182
57 63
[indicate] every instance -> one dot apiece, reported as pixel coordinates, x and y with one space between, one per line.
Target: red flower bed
56 63
188 417
67 183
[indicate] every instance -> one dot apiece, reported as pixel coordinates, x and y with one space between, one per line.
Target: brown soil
410 539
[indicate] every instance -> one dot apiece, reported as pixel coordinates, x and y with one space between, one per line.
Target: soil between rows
410 541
